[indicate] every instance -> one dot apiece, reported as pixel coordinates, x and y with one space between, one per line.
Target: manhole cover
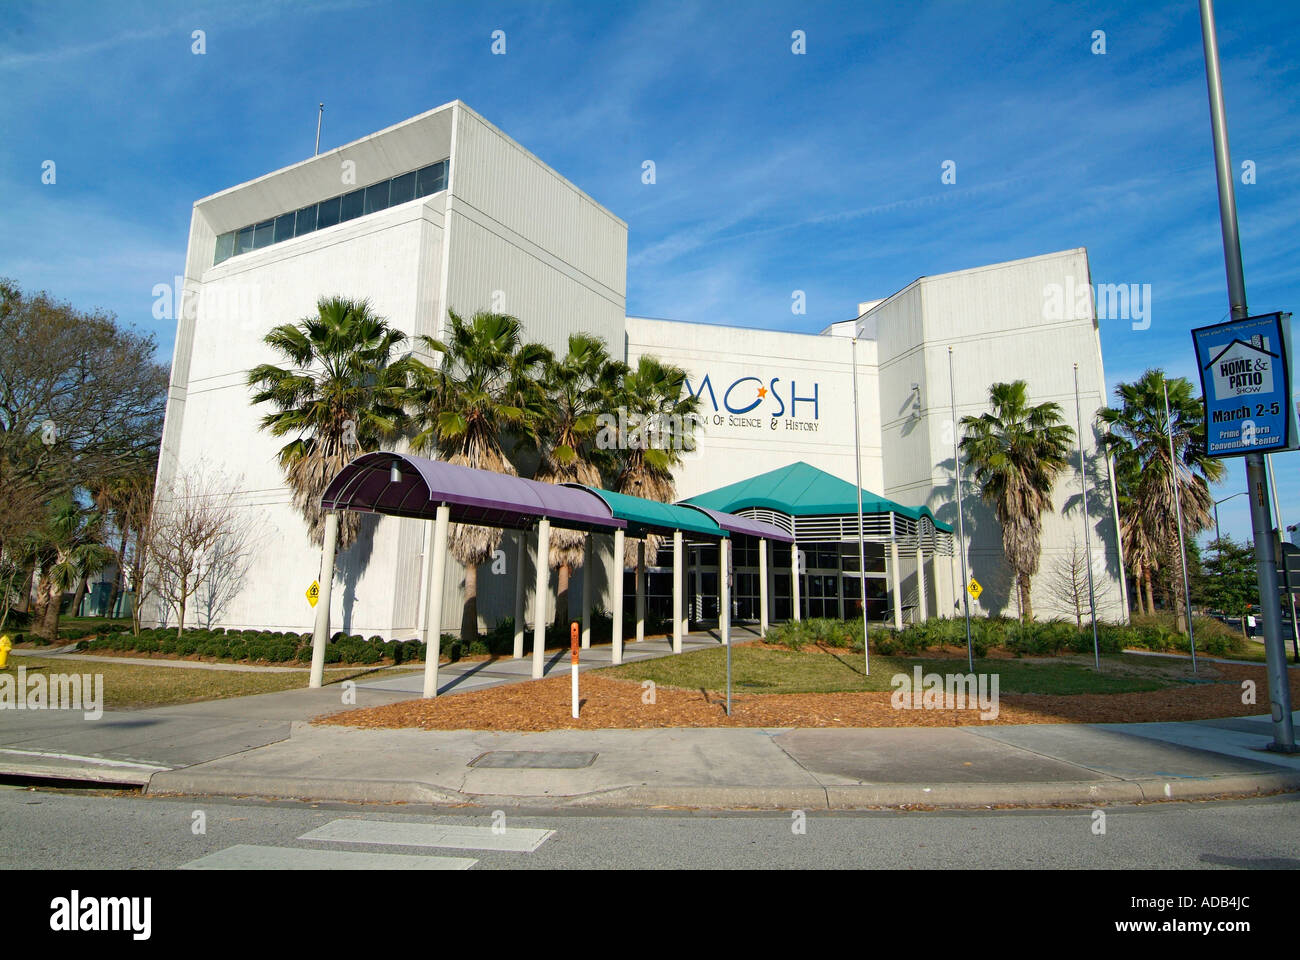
534 760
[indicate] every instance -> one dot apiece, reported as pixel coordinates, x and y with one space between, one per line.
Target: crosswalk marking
408 834
249 857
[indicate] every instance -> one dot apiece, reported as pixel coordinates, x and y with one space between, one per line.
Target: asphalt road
42 829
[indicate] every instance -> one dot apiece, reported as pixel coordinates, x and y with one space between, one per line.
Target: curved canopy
744 525
801 490
474 496
651 516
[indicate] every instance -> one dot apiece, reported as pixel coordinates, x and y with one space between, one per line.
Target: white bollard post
573 665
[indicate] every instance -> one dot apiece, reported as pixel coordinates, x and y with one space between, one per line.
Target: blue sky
775 172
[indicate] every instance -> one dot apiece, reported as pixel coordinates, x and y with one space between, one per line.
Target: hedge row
255 646
1030 639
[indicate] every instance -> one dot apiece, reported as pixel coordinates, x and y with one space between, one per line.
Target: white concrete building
446 211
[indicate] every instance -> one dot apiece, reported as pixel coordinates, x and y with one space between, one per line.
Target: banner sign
1246 378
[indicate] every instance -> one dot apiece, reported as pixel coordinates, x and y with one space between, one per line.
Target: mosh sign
1245 376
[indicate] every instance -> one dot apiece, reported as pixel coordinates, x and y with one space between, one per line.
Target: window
306 222
283 227
225 246
263 234
377 197
431 179
402 190
353 203
329 213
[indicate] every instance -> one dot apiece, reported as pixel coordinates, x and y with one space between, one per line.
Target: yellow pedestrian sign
973 588
313 592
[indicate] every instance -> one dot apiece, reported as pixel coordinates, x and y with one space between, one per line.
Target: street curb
940 796
35 769
188 783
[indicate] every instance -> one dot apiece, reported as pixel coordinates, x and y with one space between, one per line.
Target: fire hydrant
5 647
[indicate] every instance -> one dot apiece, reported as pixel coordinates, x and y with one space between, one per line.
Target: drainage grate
534 760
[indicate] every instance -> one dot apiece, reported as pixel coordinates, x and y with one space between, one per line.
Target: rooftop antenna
319 113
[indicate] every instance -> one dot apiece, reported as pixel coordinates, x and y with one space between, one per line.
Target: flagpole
961 522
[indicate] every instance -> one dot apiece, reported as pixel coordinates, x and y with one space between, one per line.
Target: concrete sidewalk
262 746
265 746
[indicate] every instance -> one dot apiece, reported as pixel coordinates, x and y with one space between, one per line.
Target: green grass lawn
756 670
132 687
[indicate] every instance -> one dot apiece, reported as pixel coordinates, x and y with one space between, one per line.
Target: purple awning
475 496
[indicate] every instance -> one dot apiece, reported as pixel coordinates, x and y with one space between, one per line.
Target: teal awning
651 516
801 490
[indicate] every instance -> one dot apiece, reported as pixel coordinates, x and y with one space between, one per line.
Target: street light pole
1178 512
1218 538
961 523
862 543
1087 522
1281 548
1279 686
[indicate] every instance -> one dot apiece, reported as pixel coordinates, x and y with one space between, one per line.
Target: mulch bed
607 703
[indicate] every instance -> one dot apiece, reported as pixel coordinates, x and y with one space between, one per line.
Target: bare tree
200 539
1068 584
228 562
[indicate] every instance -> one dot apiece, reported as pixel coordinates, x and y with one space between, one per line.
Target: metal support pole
521 564
617 625
640 591
1279 688
588 582
433 622
762 587
961 521
797 614
724 607
539 596
923 612
319 114
1087 523
896 575
862 536
678 626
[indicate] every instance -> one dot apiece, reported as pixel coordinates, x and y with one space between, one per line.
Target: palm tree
70 551
340 396
581 386
1140 543
661 418
1017 451
485 393
1139 431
